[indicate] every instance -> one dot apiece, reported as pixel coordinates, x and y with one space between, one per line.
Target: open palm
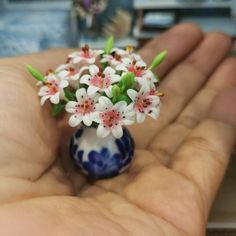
179 161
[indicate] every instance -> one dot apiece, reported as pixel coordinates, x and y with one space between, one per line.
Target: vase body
101 157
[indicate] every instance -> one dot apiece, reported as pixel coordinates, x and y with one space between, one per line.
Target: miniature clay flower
52 89
86 54
131 55
83 109
115 57
111 117
144 104
69 72
99 80
139 69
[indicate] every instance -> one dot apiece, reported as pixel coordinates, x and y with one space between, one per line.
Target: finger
183 82
178 41
205 154
189 76
166 143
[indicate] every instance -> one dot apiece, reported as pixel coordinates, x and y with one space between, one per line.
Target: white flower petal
63 74
120 106
126 61
108 91
132 94
93 70
141 63
43 99
154 114
127 122
105 59
63 84
115 78
62 67
43 91
102 132
81 94
119 51
55 99
121 67
85 79
105 102
92 90
109 71
76 60
117 131
98 52
91 60
71 107
95 116
87 119
135 57
75 120
129 108
140 117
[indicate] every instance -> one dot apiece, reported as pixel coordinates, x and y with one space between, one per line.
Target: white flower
143 76
131 55
99 80
111 117
52 89
86 54
69 72
144 103
115 57
83 109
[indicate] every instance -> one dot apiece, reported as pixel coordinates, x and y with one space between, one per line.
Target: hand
179 162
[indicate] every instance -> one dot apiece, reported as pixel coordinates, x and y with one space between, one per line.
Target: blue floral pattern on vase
101 158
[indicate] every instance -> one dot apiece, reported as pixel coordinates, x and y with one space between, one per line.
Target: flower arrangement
106 89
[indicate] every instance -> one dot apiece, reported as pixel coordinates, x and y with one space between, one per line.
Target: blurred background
33 25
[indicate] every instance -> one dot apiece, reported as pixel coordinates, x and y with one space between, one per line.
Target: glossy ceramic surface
101 157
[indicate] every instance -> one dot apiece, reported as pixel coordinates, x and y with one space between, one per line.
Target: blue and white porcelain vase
101 157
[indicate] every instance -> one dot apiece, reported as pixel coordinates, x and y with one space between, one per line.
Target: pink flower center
71 71
110 118
86 106
153 91
100 80
52 86
142 103
86 51
137 70
116 56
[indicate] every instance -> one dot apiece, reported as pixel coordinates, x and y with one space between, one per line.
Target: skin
180 159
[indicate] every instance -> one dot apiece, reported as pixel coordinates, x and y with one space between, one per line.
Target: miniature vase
101 157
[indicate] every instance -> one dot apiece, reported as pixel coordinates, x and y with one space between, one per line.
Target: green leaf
127 81
69 95
125 98
57 108
109 45
158 60
35 73
157 78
